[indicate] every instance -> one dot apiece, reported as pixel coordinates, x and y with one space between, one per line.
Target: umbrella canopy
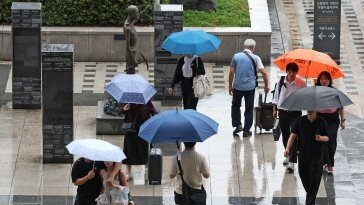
316 98
96 150
178 125
310 62
191 42
130 88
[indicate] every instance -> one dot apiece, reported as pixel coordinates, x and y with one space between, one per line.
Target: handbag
128 127
120 197
190 195
102 200
276 130
201 86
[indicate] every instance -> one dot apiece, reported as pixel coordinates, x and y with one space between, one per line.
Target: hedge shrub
82 12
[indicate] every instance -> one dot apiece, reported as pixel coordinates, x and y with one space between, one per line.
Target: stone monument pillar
26 21
57 70
168 18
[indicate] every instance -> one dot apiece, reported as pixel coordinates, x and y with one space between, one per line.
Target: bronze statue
131 39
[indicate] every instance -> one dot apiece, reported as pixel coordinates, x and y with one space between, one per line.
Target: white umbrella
96 150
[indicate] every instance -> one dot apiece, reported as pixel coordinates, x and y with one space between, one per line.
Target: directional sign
326 35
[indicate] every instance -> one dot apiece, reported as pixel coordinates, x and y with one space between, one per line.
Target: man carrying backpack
283 89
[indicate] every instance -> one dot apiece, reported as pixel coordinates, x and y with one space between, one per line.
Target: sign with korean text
326 37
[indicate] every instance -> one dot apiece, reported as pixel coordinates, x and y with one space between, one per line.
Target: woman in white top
188 66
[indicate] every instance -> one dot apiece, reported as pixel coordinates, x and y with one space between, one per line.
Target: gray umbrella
316 98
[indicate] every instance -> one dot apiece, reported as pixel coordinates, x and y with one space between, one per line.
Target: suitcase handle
265 98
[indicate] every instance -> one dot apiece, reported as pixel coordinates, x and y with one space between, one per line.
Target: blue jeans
249 106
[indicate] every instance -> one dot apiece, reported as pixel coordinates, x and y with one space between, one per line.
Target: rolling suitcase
264 114
155 166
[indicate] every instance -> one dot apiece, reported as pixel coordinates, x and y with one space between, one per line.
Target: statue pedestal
107 124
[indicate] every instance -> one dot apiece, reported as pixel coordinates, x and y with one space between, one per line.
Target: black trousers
286 120
188 95
333 122
85 200
310 171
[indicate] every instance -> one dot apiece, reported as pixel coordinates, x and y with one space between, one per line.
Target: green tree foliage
82 12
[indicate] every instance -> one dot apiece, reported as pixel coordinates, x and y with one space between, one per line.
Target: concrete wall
97 44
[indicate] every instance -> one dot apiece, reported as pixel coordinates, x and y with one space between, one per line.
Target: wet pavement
243 170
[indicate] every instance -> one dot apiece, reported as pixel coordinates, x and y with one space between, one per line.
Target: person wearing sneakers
334 118
291 84
243 80
312 133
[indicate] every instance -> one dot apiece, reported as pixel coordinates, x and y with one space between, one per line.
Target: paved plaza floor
243 170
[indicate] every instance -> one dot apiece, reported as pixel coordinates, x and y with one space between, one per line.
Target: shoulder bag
129 127
201 84
189 195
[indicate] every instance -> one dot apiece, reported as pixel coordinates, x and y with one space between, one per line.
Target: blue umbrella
191 42
130 88
178 125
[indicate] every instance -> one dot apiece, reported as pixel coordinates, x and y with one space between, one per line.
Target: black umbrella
316 98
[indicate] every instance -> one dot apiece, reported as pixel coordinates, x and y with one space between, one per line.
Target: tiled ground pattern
243 171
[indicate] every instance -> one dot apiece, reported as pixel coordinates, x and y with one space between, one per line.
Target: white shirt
287 90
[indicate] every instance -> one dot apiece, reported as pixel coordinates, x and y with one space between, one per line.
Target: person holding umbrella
85 171
194 166
189 43
86 175
188 126
243 80
135 148
284 88
312 133
334 117
188 66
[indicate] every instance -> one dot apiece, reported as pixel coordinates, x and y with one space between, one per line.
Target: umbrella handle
308 67
178 145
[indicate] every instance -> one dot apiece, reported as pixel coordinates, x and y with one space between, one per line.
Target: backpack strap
280 84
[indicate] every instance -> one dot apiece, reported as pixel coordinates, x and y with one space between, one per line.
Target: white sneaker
285 161
290 167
